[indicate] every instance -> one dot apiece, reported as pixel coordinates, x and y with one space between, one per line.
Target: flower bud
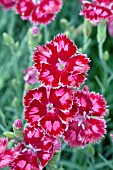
30 75
64 23
15 102
106 55
87 30
91 150
57 145
18 128
8 39
35 30
101 32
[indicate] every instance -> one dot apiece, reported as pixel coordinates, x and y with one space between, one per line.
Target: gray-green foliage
14 60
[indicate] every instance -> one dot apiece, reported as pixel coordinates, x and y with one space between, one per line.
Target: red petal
44 157
35 111
49 75
52 124
24 8
61 98
3 145
99 104
65 47
7 157
38 94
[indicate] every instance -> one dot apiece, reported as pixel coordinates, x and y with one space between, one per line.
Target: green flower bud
33 40
8 39
16 45
87 30
91 150
15 102
64 23
14 83
101 31
106 55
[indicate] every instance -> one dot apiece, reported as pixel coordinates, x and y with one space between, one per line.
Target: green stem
46 34
103 63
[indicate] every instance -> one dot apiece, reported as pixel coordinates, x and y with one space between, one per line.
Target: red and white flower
38 11
89 125
50 109
7 4
6 155
35 152
97 10
60 64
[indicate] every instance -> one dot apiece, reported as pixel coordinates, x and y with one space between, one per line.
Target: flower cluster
36 11
58 108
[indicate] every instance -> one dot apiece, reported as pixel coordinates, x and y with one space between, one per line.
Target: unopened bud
106 55
15 102
101 32
8 39
35 30
91 150
87 30
18 128
64 23
57 145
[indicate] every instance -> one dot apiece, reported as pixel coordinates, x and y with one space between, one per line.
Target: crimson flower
38 11
7 4
97 10
35 151
6 156
89 125
60 64
50 109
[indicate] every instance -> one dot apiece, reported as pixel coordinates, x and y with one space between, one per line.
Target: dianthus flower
31 75
89 125
35 152
60 64
7 4
6 156
38 11
97 10
49 109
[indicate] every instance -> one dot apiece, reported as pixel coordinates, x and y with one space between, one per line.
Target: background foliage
16 58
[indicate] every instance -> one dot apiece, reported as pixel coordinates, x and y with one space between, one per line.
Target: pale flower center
36 1
50 108
61 65
82 119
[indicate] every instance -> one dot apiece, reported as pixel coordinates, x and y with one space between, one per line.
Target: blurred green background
17 57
